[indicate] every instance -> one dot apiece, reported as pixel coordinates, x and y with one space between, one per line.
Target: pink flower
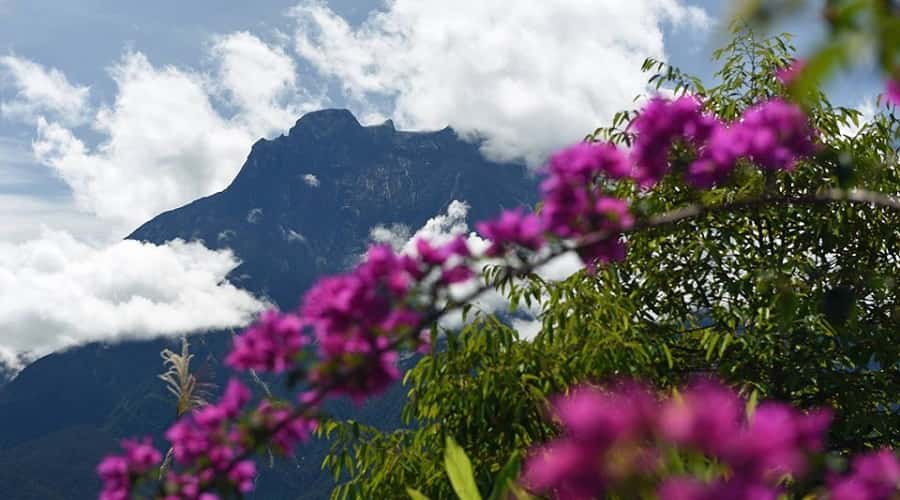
512 227
768 446
235 397
777 134
892 91
439 255
574 207
873 476
609 215
117 471
598 425
430 254
568 469
718 156
204 433
594 416
293 429
456 274
424 346
272 344
706 415
583 162
788 74
356 318
593 421
242 475
659 124
774 134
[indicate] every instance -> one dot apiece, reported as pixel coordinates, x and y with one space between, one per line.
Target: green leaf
415 494
459 469
752 403
507 474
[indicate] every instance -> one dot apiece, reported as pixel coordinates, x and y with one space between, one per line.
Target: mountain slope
303 205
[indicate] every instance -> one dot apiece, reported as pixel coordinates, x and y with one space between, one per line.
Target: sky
112 112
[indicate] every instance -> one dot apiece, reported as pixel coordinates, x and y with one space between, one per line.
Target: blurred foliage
794 303
857 30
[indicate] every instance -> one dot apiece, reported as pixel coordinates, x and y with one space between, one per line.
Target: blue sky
113 111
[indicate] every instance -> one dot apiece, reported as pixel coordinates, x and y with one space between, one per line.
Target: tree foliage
797 303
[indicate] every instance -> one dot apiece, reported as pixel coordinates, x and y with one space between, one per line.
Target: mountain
302 205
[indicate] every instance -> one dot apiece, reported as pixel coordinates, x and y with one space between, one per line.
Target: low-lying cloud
58 292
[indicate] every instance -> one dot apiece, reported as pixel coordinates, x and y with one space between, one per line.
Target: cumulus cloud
441 229
165 140
526 79
259 80
58 291
39 91
868 109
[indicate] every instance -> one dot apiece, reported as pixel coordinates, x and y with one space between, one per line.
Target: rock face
303 205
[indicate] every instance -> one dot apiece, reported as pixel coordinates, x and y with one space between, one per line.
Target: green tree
784 300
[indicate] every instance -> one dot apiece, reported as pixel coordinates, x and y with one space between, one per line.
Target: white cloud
260 80
311 180
868 109
528 79
165 141
58 291
396 235
41 91
23 217
443 227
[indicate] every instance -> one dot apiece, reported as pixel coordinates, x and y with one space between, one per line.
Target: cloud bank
58 292
526 79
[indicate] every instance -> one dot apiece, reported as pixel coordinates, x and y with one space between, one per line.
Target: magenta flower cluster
512 227
892 91
208 437
211 444
272 344
773 134
118 472
660 125
360 318
873 476
576 204
613 436
788 75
